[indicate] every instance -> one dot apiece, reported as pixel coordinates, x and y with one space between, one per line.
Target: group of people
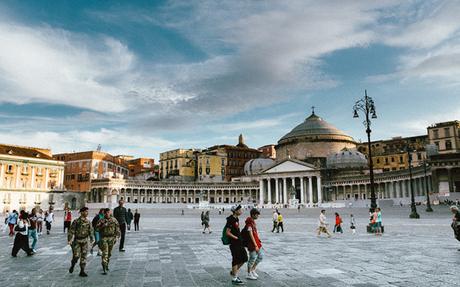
23 225
239 240
375 223
277 221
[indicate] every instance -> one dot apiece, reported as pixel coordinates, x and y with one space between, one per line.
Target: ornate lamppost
428 203
413 213
366 105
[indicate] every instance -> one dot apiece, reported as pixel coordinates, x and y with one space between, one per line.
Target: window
435 134
392 159
437 144
386 160
448 145
378 160
419 156
447 132
10 168
401 160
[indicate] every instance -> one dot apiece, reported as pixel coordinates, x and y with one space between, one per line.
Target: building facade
268 151
178 164
211 165
27 177
446 136
82 167
139 166
391 155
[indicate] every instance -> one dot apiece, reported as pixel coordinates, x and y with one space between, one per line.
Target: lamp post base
414 215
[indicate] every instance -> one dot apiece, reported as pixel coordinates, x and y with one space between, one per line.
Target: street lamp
413 213
428 203
366 105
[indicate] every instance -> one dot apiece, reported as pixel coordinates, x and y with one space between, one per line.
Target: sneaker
34 250
251 276
255 274
122 250
237 281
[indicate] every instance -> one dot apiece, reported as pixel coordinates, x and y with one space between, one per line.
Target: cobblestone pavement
170 250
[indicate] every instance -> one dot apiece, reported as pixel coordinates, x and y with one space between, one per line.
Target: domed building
347 159
313 138
257 165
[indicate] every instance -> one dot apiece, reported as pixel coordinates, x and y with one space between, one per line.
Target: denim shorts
255 257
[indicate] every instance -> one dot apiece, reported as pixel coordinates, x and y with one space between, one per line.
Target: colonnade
275 190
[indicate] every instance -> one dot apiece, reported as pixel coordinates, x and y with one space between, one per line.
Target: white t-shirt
50 217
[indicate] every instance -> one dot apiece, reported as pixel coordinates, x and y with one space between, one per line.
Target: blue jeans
255 257
33 234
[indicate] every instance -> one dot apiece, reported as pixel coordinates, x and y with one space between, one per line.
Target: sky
143 77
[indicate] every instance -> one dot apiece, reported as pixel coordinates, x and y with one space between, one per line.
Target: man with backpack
231 235
252 241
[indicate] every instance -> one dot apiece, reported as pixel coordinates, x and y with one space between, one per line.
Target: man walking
275 220
121 215
33 219
239 255
109 230
322 224
77 237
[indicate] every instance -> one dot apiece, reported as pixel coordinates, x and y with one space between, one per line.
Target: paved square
170 250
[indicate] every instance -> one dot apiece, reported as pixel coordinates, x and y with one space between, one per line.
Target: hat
83 209
254 211
236 207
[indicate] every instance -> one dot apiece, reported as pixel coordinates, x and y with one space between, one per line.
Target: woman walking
206 222
21 241
352 224
49 218
12 221
40 222
137 217
129 219
280 223
338 223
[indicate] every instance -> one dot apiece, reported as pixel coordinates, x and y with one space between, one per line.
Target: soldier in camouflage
77 237
109 230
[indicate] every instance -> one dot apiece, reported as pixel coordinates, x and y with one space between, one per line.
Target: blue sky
142 77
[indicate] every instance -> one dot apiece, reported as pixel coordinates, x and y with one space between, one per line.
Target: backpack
245 236
225 239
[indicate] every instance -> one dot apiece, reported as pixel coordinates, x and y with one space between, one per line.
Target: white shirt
275 217
50 217
322 220
22 225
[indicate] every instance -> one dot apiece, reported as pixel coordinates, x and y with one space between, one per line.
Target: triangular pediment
289 165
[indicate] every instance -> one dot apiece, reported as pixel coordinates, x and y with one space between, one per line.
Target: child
254 245
352 224
239 255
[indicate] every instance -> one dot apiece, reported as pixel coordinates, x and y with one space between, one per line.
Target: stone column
277 190
47 177
2 174
61 178
310 191
302 198
269 195
285 191
319 188
32 180
18 172
261 191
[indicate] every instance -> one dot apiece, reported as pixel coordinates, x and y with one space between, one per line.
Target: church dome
313 138
255 166
313 126
347 159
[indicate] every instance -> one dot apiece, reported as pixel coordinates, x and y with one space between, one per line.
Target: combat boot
72 265
82 273
104 270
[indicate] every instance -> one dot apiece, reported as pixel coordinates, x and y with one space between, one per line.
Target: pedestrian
77 237
40 221
378 221
455 222
202 218
67 218
97 237
322 224
254 244
12 221
137 217
183 212
275 220
33 219
338 223
121 215
298 208
206 222
352 224
239 255
109 230
129 219
21 240
280 223
49 218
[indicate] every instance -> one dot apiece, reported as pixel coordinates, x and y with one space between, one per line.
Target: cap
235 207
83 209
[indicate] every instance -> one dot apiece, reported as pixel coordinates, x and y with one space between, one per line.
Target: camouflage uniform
79 231
109 230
